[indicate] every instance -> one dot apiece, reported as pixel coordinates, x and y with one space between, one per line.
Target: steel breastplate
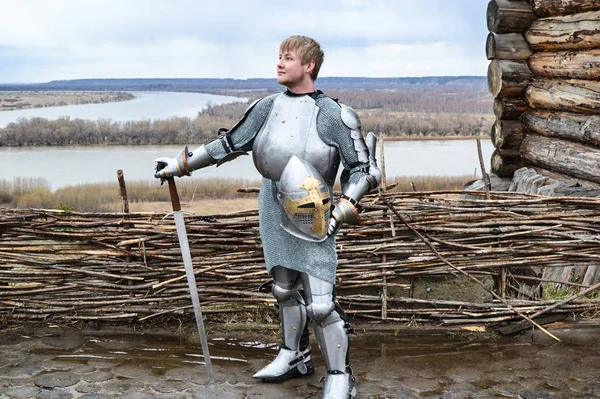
291 129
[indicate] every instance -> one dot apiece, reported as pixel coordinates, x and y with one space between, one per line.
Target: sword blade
191 279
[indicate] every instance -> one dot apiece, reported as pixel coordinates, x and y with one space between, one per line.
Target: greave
333 340
293 318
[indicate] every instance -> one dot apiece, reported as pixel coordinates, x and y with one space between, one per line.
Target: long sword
189 271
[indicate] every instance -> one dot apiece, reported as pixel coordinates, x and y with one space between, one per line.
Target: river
147 105
73 165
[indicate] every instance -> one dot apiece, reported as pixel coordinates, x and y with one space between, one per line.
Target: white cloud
435 59
68 39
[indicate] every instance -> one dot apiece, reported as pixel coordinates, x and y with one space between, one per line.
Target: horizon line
246 79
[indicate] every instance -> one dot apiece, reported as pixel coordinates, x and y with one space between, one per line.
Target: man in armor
298 138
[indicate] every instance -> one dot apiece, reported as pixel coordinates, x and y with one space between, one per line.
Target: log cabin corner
544 75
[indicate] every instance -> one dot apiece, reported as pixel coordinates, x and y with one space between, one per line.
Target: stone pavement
120 363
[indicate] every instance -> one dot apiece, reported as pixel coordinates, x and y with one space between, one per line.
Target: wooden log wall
544 75
70 266
508 77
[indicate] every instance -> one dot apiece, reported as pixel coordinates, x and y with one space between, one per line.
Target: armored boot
288 364
339 385
295 357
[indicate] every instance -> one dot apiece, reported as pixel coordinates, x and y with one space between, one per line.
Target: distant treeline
422 112
271 85
431 98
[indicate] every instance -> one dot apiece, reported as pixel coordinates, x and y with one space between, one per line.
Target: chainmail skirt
318 259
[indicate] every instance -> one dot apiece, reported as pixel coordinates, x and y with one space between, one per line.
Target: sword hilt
174 196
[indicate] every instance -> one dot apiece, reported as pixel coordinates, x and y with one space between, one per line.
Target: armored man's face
290 71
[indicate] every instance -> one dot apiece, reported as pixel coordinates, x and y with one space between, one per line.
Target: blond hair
307 49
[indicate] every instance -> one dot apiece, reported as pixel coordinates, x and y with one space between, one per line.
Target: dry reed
23 192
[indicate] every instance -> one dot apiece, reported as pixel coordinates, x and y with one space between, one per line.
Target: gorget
291 129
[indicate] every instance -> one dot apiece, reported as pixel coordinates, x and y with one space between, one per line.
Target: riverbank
51 361
14 100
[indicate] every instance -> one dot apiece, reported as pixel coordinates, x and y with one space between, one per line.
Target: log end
490 46
492 16
505 163
509 108
495 134
494 76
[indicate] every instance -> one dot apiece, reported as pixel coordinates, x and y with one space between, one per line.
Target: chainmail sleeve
243 133
333 131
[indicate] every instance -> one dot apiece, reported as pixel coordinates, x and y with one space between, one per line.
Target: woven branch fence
70 266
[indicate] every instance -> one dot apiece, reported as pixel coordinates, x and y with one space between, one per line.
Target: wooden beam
584 64
550 8
566 125
570 32
562 156
582 96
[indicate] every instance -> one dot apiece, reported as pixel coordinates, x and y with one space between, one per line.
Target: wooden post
502 280
486 180
384 289
502 283
383 185
123 190
383 189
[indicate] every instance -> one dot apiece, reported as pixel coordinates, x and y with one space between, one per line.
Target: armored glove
346 209
171 167
184 164
343 210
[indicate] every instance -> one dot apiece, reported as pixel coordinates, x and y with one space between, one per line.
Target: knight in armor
298 139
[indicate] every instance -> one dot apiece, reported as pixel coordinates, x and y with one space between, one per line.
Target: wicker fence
66 266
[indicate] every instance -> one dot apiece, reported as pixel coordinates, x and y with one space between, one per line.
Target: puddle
154 351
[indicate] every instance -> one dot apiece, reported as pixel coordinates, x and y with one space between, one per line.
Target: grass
210 195
553 293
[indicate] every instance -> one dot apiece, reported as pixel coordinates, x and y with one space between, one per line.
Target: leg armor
330 331
294 358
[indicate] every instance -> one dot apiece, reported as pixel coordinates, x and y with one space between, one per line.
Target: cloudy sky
44 40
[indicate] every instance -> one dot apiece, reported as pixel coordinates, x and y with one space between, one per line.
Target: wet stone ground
117 362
